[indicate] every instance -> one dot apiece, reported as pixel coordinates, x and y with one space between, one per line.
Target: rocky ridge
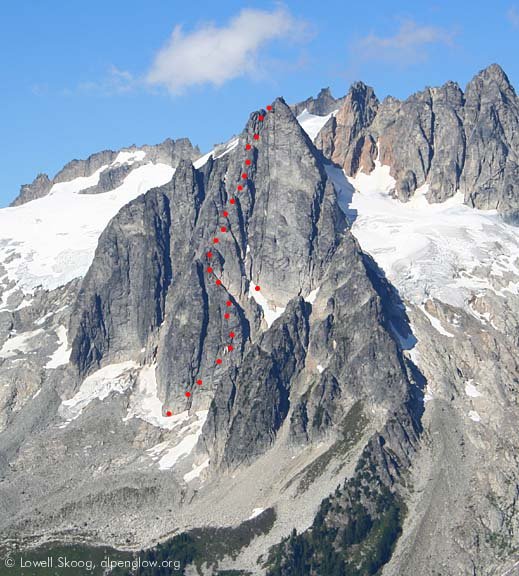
443 137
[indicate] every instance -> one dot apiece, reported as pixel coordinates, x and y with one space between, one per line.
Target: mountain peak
492 74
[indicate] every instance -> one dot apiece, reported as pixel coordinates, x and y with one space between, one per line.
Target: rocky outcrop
84 168
344 139
39 187
110 178
490 177
441 137
322 105
171 152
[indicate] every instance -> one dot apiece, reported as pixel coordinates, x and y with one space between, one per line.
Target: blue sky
79 77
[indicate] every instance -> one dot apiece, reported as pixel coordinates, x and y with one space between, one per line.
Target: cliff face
148 288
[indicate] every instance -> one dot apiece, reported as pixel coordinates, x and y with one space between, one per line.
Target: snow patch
320 368
474 416
114 378
270 314
129 157
436 324
61 355
41 320
146 405
312 124
256 512
203 160
74 186
21 343
312 296
196 471
168 456
471 390
231 145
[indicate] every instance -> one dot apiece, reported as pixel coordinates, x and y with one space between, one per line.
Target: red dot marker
248 146
223 229
269 107
228 303
199 382
227 315
261 117
239 187
232 201
232 334
230 347
248 162
225 213
209 254
188 394
215 240
244 176
257 288
256 136
218 361
209 270
169 413
218 282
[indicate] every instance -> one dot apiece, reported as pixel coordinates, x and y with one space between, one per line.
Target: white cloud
214 55
407 46
115 81
513 16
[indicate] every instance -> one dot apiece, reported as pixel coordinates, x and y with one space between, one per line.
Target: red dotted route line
229 347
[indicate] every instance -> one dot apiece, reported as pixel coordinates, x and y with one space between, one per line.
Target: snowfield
460 250
50 241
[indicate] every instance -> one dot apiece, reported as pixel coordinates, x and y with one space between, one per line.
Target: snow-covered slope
448 250
50 241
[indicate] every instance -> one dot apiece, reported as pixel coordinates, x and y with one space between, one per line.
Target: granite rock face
110 179
122 296
490 175
287 235
443 137
344 139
